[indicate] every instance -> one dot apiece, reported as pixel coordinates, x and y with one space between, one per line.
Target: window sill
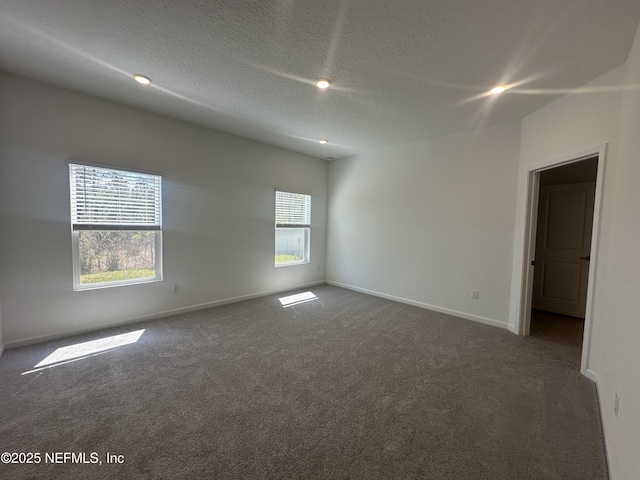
98 286
291 264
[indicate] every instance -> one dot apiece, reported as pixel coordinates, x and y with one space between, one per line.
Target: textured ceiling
402 70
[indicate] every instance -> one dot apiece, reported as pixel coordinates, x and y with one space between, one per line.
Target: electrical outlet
616 404
175 288
318 267
475 294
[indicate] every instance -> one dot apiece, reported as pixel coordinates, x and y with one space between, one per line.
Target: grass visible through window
117 275
285 258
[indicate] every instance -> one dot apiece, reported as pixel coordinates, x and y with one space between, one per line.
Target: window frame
75 233
304 226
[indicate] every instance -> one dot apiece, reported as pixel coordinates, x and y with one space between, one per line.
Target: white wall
618 364
218 209
579 121
428 222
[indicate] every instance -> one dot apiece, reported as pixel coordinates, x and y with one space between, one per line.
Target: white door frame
529 242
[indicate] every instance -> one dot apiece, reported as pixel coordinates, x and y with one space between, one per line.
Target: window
116 226
293 225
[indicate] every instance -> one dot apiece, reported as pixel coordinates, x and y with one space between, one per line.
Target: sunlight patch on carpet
87 349
297 299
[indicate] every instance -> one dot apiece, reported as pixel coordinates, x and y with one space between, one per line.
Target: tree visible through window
116 226
293 225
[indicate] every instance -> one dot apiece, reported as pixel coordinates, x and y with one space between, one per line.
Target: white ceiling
402 70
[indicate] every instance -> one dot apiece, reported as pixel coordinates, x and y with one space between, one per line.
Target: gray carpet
344 386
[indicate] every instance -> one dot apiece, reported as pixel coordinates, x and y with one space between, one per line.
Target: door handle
588 257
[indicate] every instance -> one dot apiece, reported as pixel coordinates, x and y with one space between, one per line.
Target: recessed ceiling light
323 141
323 83
143 79
499 89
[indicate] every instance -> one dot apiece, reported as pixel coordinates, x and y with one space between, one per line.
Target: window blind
107 199
293 210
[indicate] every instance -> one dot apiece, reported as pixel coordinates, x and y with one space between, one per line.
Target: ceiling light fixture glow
498 90
323 141
142 79
323 83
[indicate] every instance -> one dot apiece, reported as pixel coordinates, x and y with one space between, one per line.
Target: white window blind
293 210
107 199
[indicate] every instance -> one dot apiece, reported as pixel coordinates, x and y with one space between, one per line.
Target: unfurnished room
320 239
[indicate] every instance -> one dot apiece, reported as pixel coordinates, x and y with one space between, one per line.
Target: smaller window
293 228
116 226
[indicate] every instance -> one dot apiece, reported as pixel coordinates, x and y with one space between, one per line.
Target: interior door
563 244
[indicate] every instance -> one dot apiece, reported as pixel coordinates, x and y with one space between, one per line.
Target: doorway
562 223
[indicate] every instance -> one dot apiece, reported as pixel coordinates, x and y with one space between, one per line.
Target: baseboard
447 311
512 329
1 349
590 374
154 316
